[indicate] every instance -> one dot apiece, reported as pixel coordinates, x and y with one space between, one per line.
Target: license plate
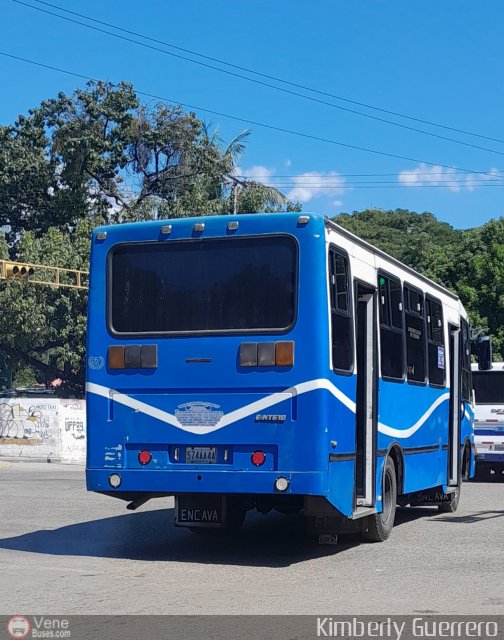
201 455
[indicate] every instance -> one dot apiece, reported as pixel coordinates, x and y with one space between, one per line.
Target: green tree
43 327
469 262
77 161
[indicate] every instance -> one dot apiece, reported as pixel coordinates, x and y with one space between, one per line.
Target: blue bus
273 361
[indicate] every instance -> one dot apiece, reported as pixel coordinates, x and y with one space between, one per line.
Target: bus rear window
207 285
488 387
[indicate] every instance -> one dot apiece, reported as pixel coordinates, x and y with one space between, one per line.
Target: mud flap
432 497
200 510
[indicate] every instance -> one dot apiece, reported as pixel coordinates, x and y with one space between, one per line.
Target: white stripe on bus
257 406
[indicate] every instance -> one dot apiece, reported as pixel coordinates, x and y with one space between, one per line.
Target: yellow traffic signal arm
44 274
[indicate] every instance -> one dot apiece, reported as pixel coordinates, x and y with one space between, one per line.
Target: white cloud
257 173
312 184
436 175
471 180
302 188
451 179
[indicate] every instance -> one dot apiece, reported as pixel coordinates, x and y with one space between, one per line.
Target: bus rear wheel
380 524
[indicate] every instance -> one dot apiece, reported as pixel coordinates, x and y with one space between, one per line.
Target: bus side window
465 345
391 327
416 365
436 344
341 316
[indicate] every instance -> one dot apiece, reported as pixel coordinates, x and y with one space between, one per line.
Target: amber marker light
116 357
284 354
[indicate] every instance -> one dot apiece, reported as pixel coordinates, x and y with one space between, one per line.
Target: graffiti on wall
22 421
75 428
43 428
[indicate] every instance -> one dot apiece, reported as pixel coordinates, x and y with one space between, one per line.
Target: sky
438 62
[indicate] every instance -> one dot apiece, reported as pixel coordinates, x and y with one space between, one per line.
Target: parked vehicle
488 381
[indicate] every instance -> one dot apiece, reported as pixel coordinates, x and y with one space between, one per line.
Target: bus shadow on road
272 541
432 514
470 518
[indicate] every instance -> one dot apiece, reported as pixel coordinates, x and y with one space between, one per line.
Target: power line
379 185
308 187
69 198
257 123
77 204
335 181
358 175
269 77
258 82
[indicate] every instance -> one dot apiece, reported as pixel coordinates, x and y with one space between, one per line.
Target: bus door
455 407
366 414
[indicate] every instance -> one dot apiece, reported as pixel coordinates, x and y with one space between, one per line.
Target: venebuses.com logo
20 627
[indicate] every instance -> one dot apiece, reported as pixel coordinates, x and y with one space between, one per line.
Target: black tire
452 506
380 524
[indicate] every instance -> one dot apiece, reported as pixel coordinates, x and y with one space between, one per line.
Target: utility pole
234 191
235 185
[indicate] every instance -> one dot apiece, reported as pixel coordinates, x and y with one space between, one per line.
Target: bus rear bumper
171 482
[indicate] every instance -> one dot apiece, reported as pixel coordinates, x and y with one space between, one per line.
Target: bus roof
395 261
276 216
208 219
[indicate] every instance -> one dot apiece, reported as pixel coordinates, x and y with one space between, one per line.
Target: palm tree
270 197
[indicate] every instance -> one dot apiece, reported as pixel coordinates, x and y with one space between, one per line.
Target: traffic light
44 274
17 270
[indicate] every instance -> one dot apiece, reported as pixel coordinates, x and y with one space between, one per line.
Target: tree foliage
101 156
80 160
468 262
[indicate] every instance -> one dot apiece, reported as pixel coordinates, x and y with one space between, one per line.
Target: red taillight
258 458
144 457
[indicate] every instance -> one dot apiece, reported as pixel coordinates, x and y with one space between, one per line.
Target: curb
8 460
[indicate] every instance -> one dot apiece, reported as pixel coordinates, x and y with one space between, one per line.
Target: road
65 551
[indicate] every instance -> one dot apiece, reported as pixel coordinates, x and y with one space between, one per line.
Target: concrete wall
43 428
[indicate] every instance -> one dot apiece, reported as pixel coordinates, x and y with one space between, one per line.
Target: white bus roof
395 261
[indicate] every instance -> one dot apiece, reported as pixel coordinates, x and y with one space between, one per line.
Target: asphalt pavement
65 551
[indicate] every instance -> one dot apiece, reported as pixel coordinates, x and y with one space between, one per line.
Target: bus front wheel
380 524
